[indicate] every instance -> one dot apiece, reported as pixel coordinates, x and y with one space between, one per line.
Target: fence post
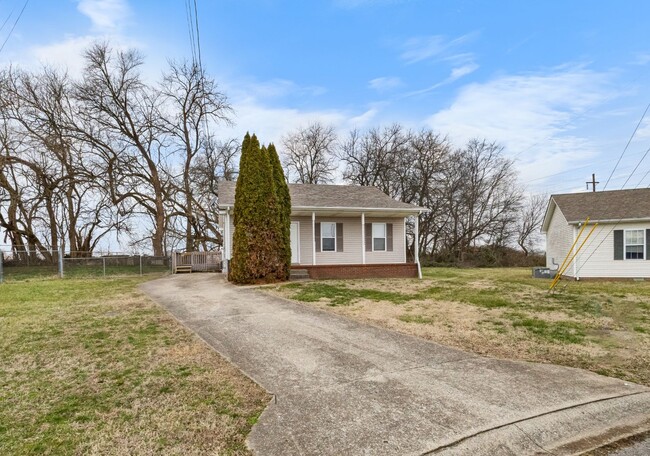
1 268
140 264
60 262
104 264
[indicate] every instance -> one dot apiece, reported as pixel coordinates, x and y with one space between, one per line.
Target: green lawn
601 326
79 270
93 367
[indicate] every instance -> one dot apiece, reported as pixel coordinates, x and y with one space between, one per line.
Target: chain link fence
27 264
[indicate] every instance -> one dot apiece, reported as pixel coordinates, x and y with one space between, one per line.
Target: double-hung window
634 244
328 236
379 237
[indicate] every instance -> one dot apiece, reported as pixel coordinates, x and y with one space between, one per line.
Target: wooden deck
196 262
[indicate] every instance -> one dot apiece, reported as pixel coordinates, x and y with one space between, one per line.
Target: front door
295 244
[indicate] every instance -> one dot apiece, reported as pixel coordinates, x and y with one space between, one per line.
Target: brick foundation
361 271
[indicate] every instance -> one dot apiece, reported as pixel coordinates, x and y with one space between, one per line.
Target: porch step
298 274
183 268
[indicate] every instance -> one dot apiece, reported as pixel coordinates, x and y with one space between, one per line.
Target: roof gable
328 196
611 205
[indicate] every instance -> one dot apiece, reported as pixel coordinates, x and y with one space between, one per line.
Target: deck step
298 274
183 268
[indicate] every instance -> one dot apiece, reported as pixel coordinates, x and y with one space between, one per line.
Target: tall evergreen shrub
258 255
284 214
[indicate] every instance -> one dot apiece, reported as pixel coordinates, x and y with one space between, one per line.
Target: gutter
415 210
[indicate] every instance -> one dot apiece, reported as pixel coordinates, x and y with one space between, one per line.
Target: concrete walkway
345 388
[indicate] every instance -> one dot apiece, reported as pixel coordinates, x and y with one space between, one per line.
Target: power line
14 26
198 35
8 17
627 145
637 167
190 29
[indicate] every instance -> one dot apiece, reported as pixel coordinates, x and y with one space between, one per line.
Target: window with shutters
328 236
379 237
634 244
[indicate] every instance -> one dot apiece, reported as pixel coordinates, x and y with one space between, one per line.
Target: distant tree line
473 192
111 154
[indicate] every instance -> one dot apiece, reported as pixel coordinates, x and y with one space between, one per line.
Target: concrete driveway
345 388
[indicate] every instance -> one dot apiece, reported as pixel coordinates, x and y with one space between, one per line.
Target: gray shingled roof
327 196
608 205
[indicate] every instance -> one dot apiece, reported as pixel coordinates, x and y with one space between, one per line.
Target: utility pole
593 183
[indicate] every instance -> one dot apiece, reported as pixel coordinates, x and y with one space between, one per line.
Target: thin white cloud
422 48
530 115
642 59
106 15
68 54
364 119
456 74
271 123
644 130
277 88
385 83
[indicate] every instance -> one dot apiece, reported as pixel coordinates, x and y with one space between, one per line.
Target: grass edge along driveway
600 326
94 367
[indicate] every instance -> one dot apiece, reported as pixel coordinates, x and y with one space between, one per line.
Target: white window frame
372 237
625 245
323 237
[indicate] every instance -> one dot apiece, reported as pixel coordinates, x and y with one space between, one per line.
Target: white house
618 247
339 231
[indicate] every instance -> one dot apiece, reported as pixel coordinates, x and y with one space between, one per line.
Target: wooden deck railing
196 262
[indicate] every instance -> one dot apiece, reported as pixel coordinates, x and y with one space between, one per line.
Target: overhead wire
14 26
11 13
629 141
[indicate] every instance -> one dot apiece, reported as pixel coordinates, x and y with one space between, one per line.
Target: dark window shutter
368 236
389 237
647 244
339 237
317 236
618 245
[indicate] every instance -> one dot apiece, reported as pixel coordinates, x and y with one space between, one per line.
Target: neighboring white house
339 231
618 247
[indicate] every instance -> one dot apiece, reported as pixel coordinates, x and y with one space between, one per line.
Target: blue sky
560 84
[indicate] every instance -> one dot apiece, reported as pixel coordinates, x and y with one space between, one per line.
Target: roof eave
409 210
621 220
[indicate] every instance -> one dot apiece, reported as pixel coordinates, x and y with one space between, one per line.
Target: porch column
226 244
313 238
227 240
363 238
416 250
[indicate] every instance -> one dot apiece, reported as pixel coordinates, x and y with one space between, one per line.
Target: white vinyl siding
559 239
600 263
352 244
351 253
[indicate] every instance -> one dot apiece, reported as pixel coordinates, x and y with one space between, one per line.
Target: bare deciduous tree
192 102
309 154
122 120
530 221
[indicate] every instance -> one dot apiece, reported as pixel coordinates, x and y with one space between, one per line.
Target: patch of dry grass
94 367
600 326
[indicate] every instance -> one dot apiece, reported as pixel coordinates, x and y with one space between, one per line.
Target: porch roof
332 200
